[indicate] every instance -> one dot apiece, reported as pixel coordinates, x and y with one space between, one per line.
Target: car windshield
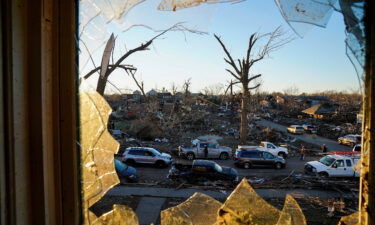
326 160
154 151
218 168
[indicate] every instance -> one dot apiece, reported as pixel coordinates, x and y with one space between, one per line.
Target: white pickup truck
267 147
334 166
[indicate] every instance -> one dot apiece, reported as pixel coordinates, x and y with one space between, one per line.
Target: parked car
145 155
251 158
197 151
268 147
334 166
350 139
125 171
203 170
357 148
295 129
310 129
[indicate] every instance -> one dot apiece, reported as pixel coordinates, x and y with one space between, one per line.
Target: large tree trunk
102 81
244 112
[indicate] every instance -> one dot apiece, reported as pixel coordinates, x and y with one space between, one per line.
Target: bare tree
186 87
140 84
106 69
241 71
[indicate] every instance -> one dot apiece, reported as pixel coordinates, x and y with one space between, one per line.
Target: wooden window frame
38 120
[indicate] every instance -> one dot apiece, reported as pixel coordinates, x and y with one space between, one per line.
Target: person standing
303 152
324 148
206 151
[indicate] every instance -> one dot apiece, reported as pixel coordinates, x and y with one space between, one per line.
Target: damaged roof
319 109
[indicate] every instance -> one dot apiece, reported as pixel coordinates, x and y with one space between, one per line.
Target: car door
256 158
149 157
268 158
271 148
213 150
338 169
138 156
348 171
200 150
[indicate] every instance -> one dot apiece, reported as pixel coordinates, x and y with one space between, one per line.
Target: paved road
149 208
312 139
159 192
150 173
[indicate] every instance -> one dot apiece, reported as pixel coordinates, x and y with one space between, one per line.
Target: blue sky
316 62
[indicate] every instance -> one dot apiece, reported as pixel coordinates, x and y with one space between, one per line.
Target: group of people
303 151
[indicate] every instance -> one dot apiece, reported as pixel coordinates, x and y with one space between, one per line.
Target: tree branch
139 85
228 54
256 86
251 44
254 77
125 67
233 74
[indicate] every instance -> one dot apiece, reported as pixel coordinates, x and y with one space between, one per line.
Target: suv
250 158
350 139
144 155
295 129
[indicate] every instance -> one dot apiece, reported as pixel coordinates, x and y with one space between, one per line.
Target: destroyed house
165 97
321 110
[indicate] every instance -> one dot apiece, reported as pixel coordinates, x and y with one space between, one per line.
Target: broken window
98 19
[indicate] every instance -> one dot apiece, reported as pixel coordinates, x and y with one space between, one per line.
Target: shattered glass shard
352 219
97 150
173 5
199 209
175 216
245 206
291 213
317 12
120 214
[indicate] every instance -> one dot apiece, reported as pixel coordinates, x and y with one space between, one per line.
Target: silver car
145 155
198 151
295 129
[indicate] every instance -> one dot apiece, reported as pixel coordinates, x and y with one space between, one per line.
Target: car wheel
282 154
190 156
224 156
130 162
323 174
247 165
278 166
160 164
